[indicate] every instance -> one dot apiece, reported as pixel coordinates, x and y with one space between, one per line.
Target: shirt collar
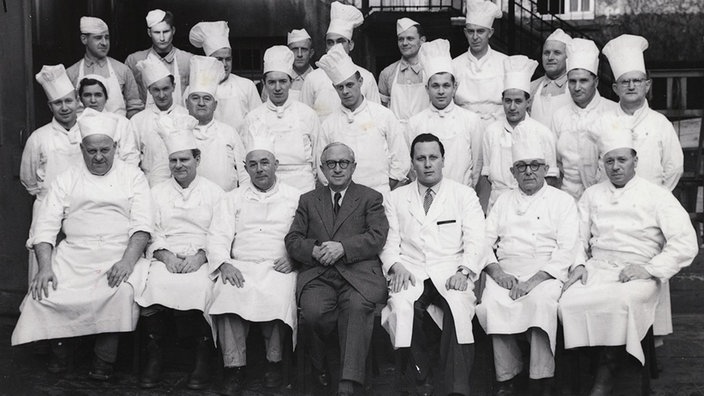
169 58
256 194
156 109
481 61
351 114
435 189
508 126
403 66
559 82
342 195
443 112
73 134
89 61
303 76
279 110
201 131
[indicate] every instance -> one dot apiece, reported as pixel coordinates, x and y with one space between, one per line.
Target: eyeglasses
343 164
637 82
522 166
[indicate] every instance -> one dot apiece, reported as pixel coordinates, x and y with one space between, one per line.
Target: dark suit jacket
360 226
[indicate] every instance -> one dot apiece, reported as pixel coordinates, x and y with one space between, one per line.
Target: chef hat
211 36
482 13
518 69
613 134
152 70
343 19
92 25
404 24
93 122
435 58
279 58
582 54
297 35
95 77
625 54
177 131
559 35
154 17
525 143
206 74
262 141
337 64
55 82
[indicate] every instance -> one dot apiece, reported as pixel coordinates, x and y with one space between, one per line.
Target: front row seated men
335 238
638 236
535 230
433 254
86 282
254 277
178 283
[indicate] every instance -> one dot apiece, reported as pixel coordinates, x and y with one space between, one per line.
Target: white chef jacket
377 139
640 224
295 129
660 157
177 61
498 159
98 215
182 217
221 155
319 93
126 149
248 232
544 105
296 85
530 233
481 82
154 160
575 130
460 132
432 245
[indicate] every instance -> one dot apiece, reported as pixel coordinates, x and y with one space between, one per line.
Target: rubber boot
151 373
60 356
200 377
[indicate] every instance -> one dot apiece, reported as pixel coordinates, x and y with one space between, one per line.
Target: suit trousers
330 300
456 359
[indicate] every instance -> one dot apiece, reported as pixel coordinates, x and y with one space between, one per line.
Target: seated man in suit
432 256
335 238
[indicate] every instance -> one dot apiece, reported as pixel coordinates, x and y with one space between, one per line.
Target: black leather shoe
233 381
60 357
101 370
505 388
272 376
322 378
200 377
151 374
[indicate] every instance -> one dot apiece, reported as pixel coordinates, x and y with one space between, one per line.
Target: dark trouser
189 323
328 300
456 359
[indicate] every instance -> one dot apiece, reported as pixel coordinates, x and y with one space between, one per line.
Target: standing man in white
301 44
550 92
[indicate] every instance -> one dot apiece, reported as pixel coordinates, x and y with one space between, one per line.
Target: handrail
369 6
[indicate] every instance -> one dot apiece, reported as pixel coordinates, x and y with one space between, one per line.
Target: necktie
337 198
428 200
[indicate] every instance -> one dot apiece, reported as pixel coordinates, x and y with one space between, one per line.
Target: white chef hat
92 25
613 134
435 58
404 24
93 122
525 143
482 13
260 141
625 54
206 74
152 70
337 64
211 36
154 17
297 35
343 19
518 69
582 54
559 35
279 58
177 131
97 78
55 82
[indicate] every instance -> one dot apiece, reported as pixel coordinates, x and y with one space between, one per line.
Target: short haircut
526 94
427 138
89 82
169 18
195 152
336 144
267 73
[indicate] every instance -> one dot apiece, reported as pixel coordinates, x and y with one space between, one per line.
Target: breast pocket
449 234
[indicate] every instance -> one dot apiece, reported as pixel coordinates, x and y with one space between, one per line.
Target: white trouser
508 361
232 335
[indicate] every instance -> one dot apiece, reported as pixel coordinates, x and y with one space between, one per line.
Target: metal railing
369 6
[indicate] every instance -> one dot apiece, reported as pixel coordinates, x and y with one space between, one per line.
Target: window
567 9
677 93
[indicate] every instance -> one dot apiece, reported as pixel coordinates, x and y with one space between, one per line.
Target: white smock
531 233
116 102
377 139
248 232
319 93
221 155
98 215
432 245
294 128
640 224
182 217
460 132
480 83
407 99
543 107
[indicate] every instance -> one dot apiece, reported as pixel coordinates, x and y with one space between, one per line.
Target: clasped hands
328 252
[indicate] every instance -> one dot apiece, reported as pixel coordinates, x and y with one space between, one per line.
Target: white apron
543 107
294 168
294 94
218 162
178 89
407 100
116 102
502 166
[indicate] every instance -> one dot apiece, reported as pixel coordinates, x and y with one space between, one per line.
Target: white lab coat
182 217
460 132
248 232
221 155
154 158
432 246
319 93
543 107
98 215
295 129
640 224
498 159
531 233
481 82
577 153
